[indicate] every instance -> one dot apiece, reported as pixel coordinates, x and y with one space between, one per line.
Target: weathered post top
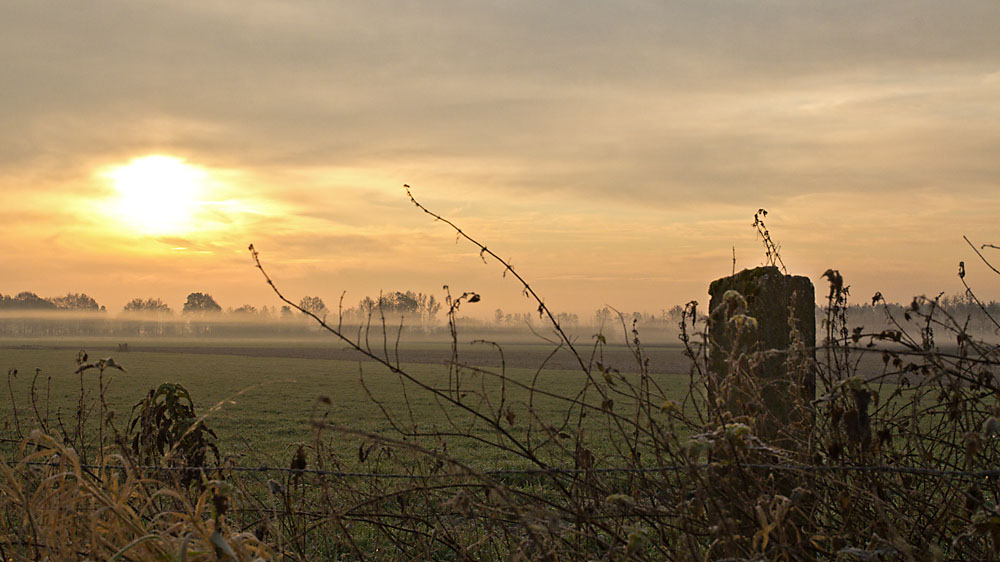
776 366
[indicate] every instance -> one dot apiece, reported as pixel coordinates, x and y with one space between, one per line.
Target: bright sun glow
158 194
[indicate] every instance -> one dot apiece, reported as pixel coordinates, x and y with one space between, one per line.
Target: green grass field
261 395
261 406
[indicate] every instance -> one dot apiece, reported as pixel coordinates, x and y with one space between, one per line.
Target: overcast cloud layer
642 134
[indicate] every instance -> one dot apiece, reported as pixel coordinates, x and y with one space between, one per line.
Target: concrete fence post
762 333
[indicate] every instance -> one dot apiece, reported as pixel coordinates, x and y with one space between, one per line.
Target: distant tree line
412 307
962 307
398 303
196 303
200 314
27 300
149 305
417 307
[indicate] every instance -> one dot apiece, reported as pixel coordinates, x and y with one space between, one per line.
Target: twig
484 251
978 253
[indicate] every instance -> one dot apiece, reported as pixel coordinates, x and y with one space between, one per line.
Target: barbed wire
912 470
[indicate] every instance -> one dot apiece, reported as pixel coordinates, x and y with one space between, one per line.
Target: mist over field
271 323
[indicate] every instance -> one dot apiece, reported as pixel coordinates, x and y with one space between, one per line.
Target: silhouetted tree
398 303
201 303
314 305
147 305
26 300
675 314
567 319
408 304
76 301
602 316
432 306
366 306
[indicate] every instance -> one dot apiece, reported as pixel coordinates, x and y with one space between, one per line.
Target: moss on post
763 335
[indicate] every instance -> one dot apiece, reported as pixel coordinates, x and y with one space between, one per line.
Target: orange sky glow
615 153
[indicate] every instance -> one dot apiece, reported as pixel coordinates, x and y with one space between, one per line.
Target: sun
157 194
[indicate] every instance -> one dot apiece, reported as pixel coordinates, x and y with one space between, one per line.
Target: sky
615 152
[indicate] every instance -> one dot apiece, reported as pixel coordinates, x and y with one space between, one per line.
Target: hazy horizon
615 153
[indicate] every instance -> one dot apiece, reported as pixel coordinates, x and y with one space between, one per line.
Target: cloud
528 121
317 83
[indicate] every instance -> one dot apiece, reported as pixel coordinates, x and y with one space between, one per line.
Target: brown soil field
662 359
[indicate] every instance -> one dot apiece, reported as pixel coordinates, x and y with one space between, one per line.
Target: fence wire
911 470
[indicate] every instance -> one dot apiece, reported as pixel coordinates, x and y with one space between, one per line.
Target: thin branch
484 251
978 253
386 362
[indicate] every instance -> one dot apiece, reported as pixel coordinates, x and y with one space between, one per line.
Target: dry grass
894 464
56 509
